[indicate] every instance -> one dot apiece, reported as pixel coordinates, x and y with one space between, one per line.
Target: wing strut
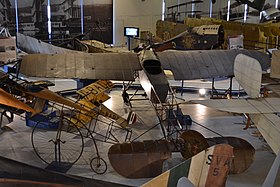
271 176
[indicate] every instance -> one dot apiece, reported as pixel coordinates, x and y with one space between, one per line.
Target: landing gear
98 165
58 147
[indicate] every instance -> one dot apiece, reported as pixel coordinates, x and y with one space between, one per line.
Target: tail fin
248 73
208 168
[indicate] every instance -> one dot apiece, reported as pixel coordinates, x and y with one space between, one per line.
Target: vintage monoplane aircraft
148 65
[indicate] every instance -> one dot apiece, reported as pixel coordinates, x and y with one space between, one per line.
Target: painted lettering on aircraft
110 114
95 88
219 159
218 162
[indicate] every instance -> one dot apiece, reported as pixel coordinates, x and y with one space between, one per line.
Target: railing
175 12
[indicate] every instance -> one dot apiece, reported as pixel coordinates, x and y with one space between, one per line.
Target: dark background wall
65 18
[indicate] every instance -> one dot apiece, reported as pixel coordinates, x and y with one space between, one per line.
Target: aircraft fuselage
152 77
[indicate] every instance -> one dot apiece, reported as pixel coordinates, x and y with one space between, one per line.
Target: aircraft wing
113 66
32 45
251 106
52 96
262 113
9 100
269 127
187 65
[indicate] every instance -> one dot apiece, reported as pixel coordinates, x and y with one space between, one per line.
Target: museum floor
16 143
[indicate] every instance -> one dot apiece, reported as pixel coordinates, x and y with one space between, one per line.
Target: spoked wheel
58 147
98 165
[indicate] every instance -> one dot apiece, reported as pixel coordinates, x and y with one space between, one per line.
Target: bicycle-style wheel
62 146
98 165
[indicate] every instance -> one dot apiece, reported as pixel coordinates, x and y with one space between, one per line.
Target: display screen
131 31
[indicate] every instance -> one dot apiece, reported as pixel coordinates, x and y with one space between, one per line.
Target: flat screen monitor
131 31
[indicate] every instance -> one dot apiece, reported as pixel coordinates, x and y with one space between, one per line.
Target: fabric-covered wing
9 100
269 127
252 106
32 45
186 65
112 66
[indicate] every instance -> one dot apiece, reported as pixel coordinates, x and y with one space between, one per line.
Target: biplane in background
263 111
204 37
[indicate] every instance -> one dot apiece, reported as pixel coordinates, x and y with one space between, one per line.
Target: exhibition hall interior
150 93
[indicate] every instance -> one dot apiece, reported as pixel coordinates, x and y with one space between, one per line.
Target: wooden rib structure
243 151
139 159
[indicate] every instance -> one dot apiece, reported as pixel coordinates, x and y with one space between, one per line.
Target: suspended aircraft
263 111
267 11
256 4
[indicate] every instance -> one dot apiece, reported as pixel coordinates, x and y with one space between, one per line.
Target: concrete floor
16 143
